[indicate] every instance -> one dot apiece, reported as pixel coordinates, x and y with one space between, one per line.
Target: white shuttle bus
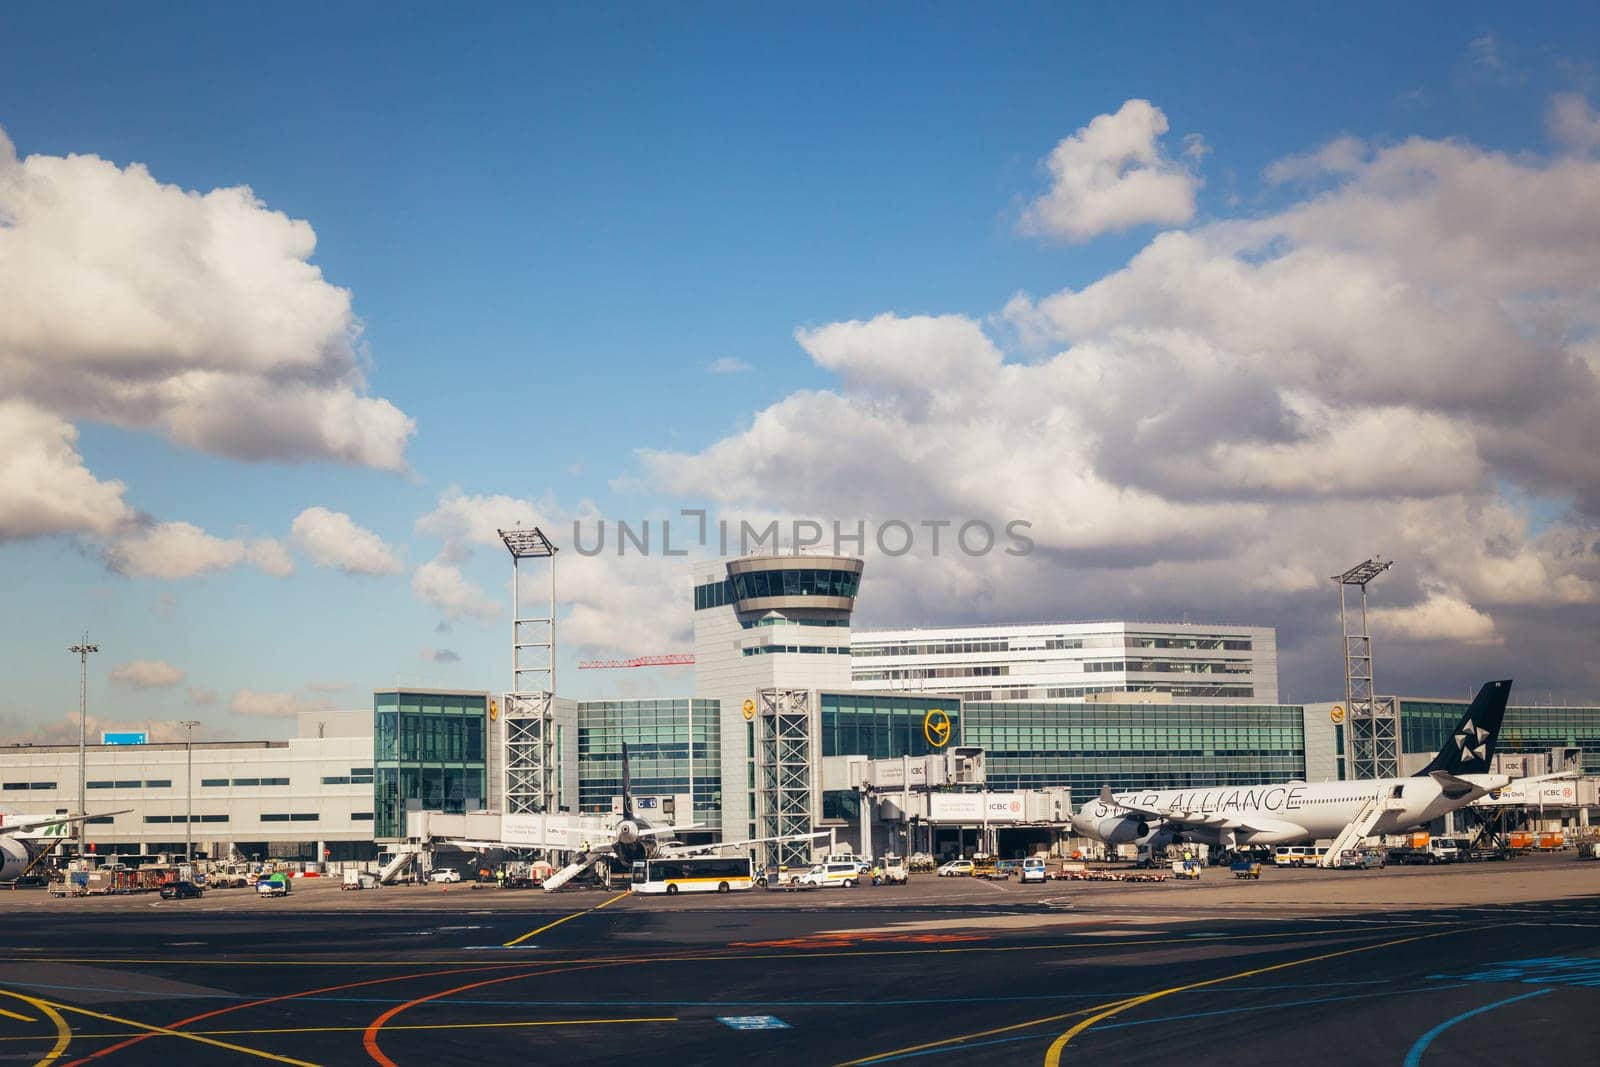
693 874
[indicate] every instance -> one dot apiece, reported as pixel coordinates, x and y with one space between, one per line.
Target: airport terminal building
795 725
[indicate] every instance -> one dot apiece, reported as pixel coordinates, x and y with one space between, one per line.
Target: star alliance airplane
1280 813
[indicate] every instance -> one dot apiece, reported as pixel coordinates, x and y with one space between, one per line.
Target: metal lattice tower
783 773
529 744
1372 726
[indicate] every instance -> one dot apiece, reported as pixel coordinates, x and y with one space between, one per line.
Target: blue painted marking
1414 1057
752 1022
1540 970
1270 1007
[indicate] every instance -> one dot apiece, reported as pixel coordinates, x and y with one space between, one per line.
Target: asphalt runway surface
1483 963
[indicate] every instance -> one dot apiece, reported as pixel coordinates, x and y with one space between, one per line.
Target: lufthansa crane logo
1336 714
936 727
749 710
494 711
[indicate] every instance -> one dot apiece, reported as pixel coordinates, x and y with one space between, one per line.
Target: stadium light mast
188 789
1371 726
524 736
82 650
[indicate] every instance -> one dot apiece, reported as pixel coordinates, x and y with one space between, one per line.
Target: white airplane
1235 816
636 839
23 837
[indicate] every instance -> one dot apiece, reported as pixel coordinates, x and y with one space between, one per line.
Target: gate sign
124 737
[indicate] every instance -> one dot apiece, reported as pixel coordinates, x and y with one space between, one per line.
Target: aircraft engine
627 831
14 857
1115 831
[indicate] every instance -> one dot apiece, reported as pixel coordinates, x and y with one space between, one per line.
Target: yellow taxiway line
565 918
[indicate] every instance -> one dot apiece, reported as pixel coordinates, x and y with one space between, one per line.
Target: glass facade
884 727
671 744
427 747
805 582
1130 746
1424 725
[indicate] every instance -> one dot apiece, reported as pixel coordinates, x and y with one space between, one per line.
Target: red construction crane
666 659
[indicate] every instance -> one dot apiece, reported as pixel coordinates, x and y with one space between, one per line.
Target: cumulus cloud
1343 155
440 583
1441 617
199 694
197 315
1573 124
44 486
332 539
147 674
173 550
1396 363
1111 175
258 705
63 729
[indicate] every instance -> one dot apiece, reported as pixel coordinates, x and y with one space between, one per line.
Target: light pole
82 649
188 790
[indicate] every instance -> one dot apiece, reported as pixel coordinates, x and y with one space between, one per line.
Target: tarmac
1475 963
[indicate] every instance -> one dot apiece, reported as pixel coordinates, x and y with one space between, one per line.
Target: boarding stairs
392 870
567 874
1355 832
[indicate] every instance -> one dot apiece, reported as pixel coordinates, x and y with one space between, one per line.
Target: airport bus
693 874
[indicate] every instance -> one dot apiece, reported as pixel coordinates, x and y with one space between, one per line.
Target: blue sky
552 221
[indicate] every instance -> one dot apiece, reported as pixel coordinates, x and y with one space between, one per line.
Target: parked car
1376 857
957 869
181 891
445 874
1033 871
275 885
1351 859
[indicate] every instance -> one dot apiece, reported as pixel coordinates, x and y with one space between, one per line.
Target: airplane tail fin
1470 746
627 785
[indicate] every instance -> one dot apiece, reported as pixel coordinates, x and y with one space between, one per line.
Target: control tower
764 622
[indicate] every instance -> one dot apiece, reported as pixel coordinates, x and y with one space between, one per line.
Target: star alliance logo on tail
1476 733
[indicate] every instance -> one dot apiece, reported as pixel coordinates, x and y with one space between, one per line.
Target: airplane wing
690 850
11 823
655 830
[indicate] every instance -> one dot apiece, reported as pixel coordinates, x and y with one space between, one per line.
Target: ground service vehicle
273 885
957 869
1246 869
181 891
359 880
445 875
693 874
1352 859
1033 871
823 875
891 872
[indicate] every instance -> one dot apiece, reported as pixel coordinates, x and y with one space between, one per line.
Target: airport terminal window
133 784
210 818
99 820
158 783
336 779
305 816
211 783
93 785
30 785
805 582
274 817
361 816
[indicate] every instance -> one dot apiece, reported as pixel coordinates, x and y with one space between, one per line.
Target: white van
823 875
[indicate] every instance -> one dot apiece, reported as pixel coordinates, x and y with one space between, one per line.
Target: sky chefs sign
976 807
124 737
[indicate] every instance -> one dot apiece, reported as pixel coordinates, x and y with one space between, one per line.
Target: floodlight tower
528 714
82 650
1372 725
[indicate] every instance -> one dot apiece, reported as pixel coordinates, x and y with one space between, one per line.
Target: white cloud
173 550
1573 124
1113 174
1394 364
269 557
1441 617
197 315
332 539
329 687
441 584
199 694
44 486
147 674
253 704
729 365
1343 155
